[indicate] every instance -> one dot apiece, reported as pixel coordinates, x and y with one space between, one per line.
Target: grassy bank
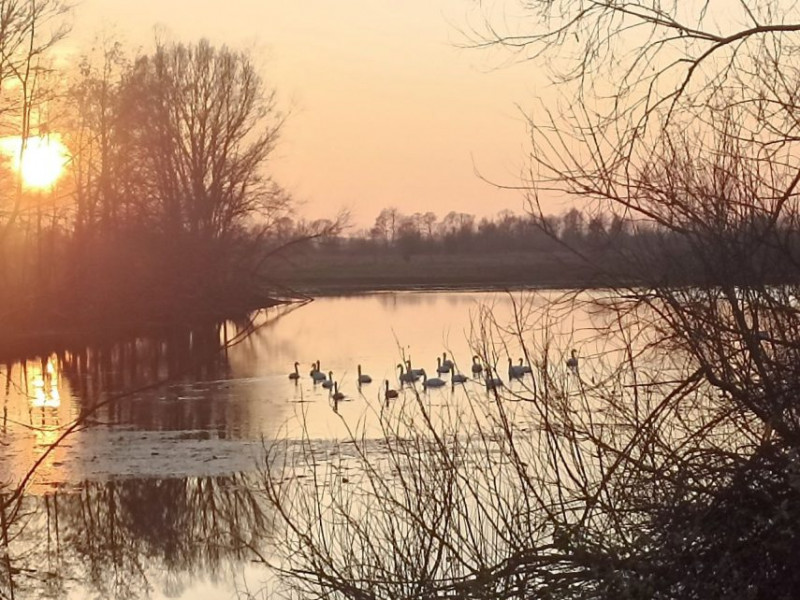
128 304
321 272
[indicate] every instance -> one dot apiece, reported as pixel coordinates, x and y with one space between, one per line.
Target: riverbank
81 319
321 273
39 329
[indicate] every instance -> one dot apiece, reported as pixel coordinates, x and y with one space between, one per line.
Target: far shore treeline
459 232
574 249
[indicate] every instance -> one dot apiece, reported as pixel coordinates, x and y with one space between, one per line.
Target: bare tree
28 31
200 125
173 186
429 224
97 158
387 224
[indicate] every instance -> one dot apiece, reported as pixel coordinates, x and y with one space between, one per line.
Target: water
151 499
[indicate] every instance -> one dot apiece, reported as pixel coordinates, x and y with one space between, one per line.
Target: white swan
363 378
337 395
389 394
433 382
458 378
572 361
406 377
515 371
477 367
446 362
296 374
415 372
328 383
492 383
318 375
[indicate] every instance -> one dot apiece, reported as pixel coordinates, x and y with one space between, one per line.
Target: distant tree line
623 247
464 232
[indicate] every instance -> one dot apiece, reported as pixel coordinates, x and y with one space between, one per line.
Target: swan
432 382
363 378
525 368
318 375
337 395
296 374
515 371
415 372
328 383
458 378
406 377
314 368
389 394
446 362
492 383
572 361
477 367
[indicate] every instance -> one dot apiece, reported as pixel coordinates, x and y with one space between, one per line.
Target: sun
43 160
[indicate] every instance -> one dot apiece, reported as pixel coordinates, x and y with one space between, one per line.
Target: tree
690 148
200 126
173 183
387 224
428 224
572 226
596 230
455 222
409 236
28 31
97 157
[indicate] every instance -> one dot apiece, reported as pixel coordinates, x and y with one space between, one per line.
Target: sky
386 107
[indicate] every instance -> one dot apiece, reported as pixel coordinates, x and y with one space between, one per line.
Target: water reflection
121 539
44 382
177 381
144 491
225 385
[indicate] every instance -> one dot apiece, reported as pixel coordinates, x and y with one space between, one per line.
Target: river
139 501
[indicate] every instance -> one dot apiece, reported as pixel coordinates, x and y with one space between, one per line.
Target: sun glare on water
42 162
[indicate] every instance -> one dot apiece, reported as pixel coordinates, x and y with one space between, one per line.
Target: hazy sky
385 108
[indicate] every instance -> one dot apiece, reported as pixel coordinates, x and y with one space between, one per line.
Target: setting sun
42 162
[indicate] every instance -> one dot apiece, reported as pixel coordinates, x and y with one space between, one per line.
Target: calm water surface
123 507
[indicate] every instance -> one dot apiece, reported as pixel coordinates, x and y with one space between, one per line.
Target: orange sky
385 109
